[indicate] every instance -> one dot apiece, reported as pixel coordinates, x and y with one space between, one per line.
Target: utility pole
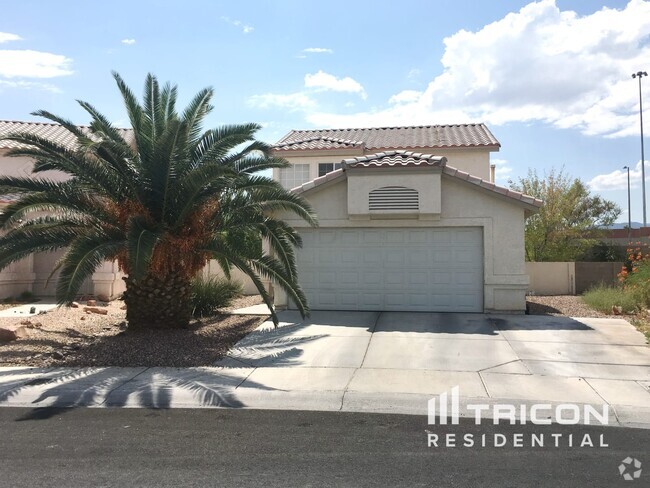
639 75
629 204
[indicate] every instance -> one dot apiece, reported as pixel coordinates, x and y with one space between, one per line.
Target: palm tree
162 200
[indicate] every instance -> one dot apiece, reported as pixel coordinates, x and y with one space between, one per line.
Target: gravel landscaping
561 305
71 337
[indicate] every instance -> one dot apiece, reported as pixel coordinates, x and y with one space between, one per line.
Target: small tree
570 220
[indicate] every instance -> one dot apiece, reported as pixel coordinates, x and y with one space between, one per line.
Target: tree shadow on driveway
52 391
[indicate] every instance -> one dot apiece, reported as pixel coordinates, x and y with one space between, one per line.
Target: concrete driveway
378 362
394 361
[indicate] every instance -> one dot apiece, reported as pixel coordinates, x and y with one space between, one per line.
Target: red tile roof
395 158
407 158
319 142
53 132
434 136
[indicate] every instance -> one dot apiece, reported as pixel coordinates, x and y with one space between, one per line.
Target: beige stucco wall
20 166
212 269
475 161
361 181
463 205
552 278
35 273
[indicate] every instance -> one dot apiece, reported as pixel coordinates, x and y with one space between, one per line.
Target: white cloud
502 170
29 85
33 64
537 64
318 50
617 179
291 101
322 81
128 42
6 37
406 96
238 23
304 100
413 74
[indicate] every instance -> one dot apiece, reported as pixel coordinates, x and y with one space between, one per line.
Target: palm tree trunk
156 303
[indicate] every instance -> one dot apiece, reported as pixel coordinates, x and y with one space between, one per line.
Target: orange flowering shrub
635 273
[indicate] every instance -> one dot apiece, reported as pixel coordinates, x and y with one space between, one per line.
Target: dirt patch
561 305
71 337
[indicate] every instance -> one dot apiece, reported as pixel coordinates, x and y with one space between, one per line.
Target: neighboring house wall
475 161
212 269
16 278
35 273
20 166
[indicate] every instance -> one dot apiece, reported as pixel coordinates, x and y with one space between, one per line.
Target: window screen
294 176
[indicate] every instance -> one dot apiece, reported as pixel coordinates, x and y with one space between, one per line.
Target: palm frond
81 260
141 240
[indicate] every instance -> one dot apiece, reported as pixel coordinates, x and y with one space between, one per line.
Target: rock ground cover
69 336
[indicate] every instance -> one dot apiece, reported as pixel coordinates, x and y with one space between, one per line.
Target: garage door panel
349 238
372 256
327 279
349 279
326 237
442 256
395 258
349 256
417 256
441 278
417 279
393 269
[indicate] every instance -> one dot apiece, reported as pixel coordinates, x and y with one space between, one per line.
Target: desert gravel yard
561 305
71 337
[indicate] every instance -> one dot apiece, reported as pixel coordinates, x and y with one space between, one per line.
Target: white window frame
335 166
295 175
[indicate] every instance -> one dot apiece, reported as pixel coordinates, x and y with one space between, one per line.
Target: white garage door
410 269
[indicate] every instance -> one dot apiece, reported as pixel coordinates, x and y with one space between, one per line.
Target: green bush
211 294
26 296
603 297
638 283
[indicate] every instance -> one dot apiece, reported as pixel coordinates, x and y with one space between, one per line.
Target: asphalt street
213 447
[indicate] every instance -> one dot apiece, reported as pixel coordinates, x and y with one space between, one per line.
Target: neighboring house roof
408 158
9 198
434 136
53 132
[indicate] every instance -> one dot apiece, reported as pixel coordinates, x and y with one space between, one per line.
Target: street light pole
639 75
629 204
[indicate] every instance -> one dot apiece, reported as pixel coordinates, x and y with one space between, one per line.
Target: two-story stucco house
410 220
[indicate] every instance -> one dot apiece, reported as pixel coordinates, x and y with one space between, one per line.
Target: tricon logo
630 469
442 408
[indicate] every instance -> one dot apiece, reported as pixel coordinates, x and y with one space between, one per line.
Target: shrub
635 274
211 294
26 296
603 297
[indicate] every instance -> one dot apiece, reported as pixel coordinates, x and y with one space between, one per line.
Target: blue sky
550 78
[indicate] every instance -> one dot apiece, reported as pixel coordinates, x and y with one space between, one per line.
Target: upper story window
324 168
295 175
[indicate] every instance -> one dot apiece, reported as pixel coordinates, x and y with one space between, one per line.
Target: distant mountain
623 225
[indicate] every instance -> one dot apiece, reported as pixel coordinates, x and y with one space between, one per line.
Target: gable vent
394 198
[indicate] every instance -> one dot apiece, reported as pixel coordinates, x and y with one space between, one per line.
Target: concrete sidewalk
379 362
